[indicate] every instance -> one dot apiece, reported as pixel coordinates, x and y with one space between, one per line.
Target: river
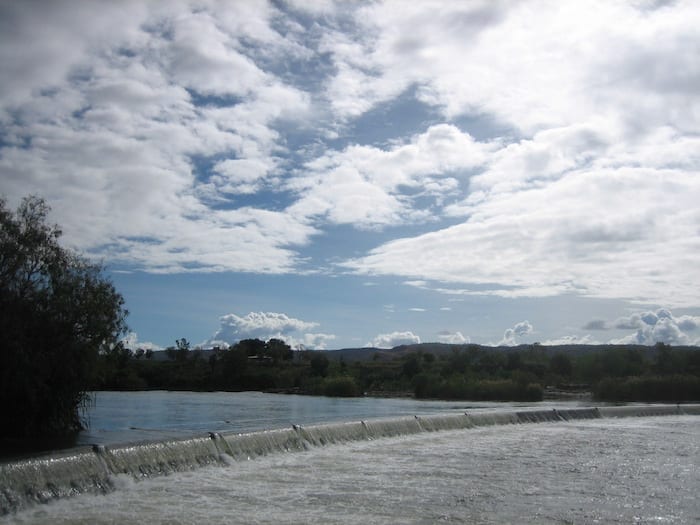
605 470
119 417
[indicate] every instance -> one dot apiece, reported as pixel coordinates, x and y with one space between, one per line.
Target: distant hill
438 349
367 353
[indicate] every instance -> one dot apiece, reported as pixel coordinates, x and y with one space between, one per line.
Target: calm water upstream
631 470
118 417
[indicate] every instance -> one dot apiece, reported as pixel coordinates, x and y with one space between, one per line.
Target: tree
57 312
561 365
234 362
411 365
252 346
319 364
278 350
182 350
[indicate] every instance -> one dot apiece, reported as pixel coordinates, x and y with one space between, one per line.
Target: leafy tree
252 346
411 365
278 350
235 362
319 364
57 312
561 365
341 386
182 349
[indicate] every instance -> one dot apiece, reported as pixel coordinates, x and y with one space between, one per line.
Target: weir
95 469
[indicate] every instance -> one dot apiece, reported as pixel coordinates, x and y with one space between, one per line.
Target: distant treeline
470 372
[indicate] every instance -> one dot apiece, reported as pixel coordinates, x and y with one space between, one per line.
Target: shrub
342 386
673 388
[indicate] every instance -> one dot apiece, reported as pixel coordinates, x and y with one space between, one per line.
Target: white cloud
532 64
68 34
658 326
393 339
265 326
561 167
313 341
599 188
453 338
242 175
511 334
109 132
571 340
372 187
131 341
522 328
580 234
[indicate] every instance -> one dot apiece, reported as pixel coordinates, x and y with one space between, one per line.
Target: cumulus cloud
548 212
646 327
454 338
131 341
561 81
311 341
577 234
265 326
368 186
393 339
115 113
571 340
229 137
511 334
658 326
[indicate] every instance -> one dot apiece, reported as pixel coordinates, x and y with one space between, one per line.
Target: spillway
94 469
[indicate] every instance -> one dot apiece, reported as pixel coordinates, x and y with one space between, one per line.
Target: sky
344 174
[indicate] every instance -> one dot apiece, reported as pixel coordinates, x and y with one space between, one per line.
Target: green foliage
458 387
341 386
319 364
619 361
412 365
252 347
561 365
278 350
57 312
668 388
468 372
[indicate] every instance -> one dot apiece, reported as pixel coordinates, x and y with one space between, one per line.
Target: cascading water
493 418
320 435
445 422
40 480
254 444
94 469
160 458
392 427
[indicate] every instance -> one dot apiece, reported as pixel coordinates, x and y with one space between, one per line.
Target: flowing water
118 417
492 465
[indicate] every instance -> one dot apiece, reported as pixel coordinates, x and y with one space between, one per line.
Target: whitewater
567 467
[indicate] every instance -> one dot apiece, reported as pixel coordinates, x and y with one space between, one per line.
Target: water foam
103 469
